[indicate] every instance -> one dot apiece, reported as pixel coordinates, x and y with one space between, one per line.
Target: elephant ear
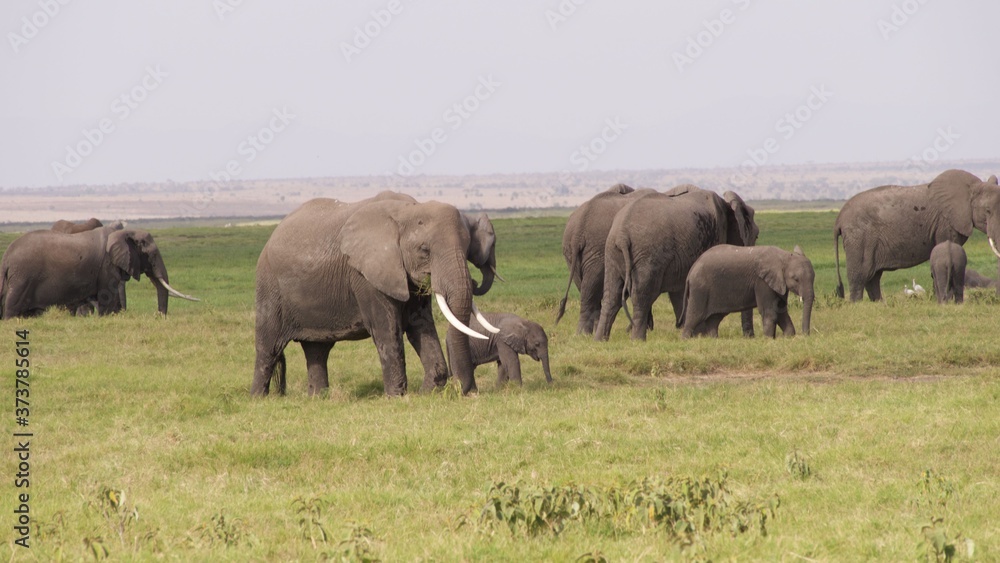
370 240
512 333
124 252
952 191
743 215
480 230
621 189
798 251
679 190
773 274
992 179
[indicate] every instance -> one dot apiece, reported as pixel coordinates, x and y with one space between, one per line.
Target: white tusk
993 246
454 320
482 320
495 274
176 293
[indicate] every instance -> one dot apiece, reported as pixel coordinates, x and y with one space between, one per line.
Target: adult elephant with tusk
335 271
46 268
893 227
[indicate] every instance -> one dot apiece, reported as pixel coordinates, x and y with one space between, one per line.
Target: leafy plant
310 513
936 547
228 532
683 508
359 546
797 464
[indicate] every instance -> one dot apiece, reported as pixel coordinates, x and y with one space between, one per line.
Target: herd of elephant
333 271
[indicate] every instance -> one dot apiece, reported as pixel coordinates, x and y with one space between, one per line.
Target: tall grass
158 409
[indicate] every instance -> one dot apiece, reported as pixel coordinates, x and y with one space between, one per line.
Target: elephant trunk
157 273
545 366
807 306
488 270
451 281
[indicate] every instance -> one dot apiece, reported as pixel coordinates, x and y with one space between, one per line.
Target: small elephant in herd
47 268
948 262
655 240
974 279
516 335
894 227
334 271
727 279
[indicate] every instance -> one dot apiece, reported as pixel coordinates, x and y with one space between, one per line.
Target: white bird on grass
917 288
916 291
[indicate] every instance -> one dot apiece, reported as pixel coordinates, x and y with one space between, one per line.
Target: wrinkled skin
42 269
655 240
64 226
335 271
974 279
948 262
517 336
583 244
894 227
727 279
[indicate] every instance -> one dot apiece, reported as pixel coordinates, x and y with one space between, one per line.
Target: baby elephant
516 336
948 271
727 279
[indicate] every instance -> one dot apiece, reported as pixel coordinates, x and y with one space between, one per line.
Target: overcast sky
183 88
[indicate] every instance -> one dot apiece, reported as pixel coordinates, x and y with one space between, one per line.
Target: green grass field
878 434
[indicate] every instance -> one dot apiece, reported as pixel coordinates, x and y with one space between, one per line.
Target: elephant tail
684 304
279 374
574 264
836 253
627 286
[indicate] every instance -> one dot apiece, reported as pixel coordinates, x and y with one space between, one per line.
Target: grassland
893 407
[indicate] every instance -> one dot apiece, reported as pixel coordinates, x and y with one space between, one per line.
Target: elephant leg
268 358
711 324
959 287
857 271
383 318
591 292
502 376
677 302
874 287
642 302
511 363
785 322
317 354
746 320
421 333
610 305
768 305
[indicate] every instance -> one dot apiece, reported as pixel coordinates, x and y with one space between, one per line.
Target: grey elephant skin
727 279
583 244
517 336
974 279
655 240
334 271
42 269
893 227
948 263
64 226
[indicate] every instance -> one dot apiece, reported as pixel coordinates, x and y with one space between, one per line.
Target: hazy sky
182 89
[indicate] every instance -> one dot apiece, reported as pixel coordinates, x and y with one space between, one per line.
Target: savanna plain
875 438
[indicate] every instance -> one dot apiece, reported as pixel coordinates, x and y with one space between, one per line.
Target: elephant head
404 248
134 252
482 250
528 338
793 273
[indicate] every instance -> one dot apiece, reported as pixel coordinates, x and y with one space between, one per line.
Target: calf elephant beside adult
655 240
42 269
727 278
583 243
335 271
893 227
